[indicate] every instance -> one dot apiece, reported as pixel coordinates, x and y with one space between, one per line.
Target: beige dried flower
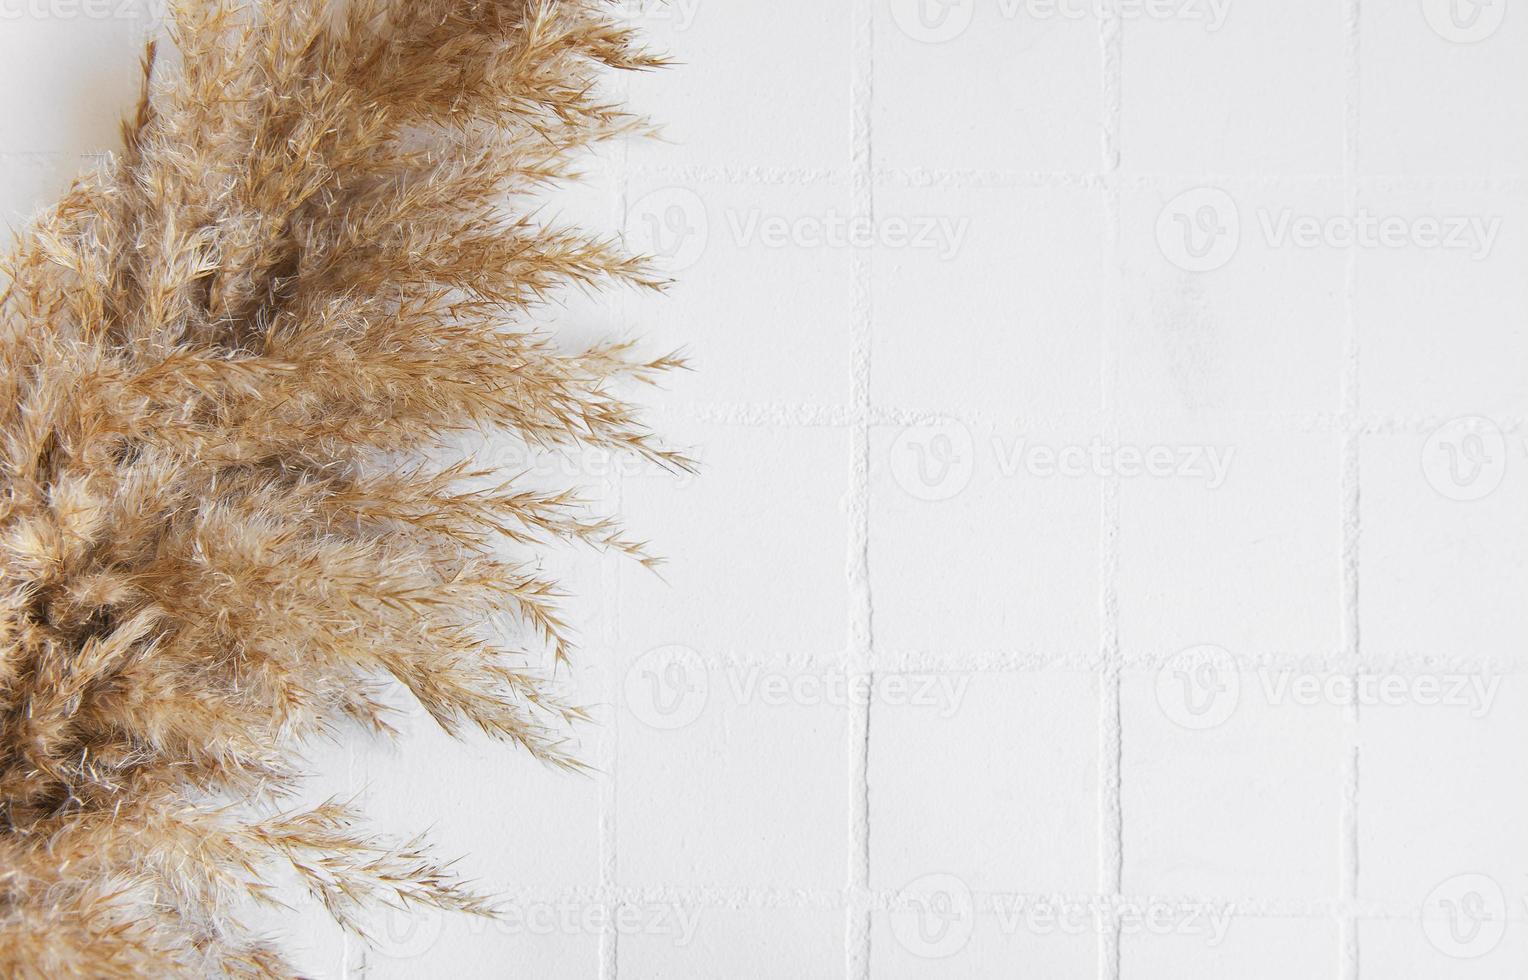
230 359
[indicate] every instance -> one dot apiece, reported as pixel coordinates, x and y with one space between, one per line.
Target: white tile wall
1170 391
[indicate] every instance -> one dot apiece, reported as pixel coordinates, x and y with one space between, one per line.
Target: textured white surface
1111 549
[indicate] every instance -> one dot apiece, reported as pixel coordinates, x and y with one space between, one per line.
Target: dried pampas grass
229 360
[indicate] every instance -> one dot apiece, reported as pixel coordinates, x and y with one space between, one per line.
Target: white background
1169 391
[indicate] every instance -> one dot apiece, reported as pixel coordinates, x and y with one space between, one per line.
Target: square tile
1438 78
1225 306
761 294
1237 545
755 545
1007 322
1443 538
763 86
957 83
728 776
1242 803
998 785
1432 801
1196 97
991 556
1440 313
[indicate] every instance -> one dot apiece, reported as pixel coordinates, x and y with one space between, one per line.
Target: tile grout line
862 203
1111 833
997 662
1000 178
1351 515
784 414
984 903
771 415
610 574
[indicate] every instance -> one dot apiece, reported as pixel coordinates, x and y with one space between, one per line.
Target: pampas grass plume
230 360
